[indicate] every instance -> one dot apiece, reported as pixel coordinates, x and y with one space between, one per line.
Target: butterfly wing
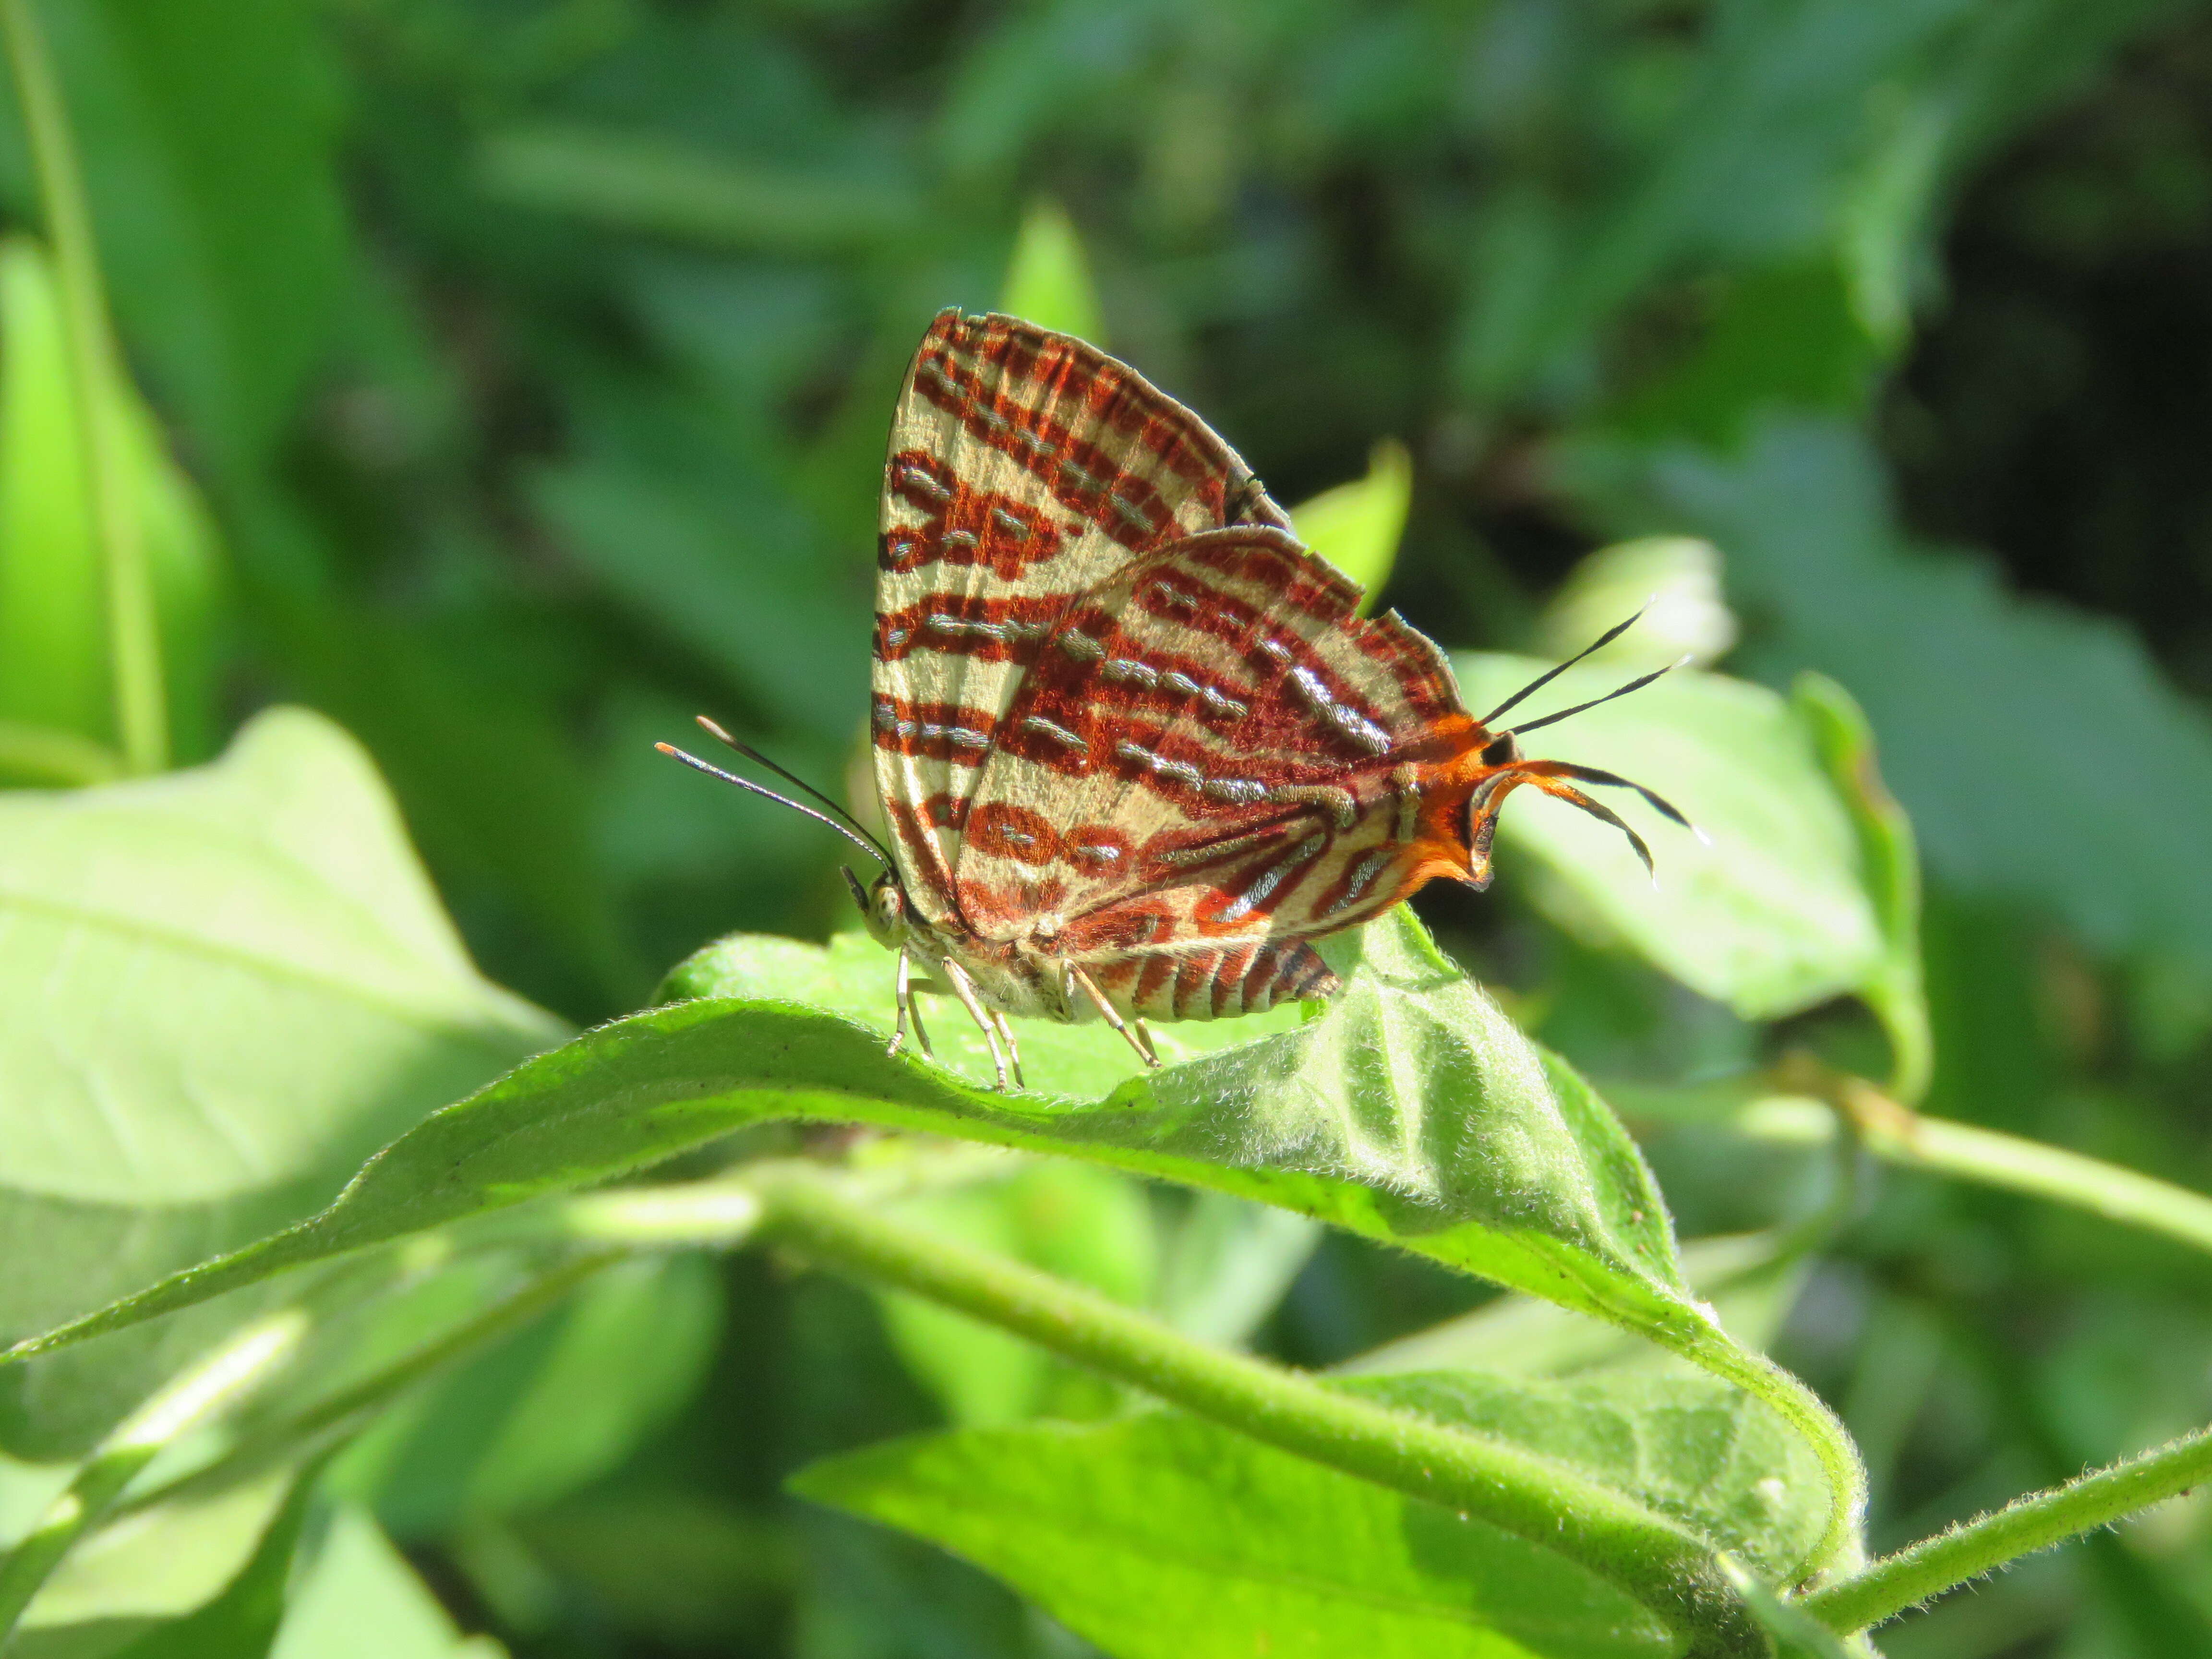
1025 468
1211 759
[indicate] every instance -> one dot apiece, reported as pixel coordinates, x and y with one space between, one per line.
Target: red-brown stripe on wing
960 524
1003 628
941 731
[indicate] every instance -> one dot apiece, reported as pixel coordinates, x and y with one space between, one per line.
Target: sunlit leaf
223 987
1048 279
54 665
360 1599
1674 581
155 1564
1412 1111
1163 1535
1891 860
1357 526
1772 914
1964 682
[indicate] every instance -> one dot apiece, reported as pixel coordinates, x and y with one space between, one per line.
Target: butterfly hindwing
1209 758
1025 468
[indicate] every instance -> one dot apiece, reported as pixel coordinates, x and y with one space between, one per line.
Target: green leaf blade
1412 1112
1771 917
1357 526
1164 1536
1048 279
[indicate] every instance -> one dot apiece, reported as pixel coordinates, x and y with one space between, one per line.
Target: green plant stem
233 1370
2037 1521
1899 1136
134 636
1660 1564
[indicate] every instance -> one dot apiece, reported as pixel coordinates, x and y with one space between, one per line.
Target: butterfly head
1492 766
1494 774
882 906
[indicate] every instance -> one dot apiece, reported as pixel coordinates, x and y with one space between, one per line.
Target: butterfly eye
1501 750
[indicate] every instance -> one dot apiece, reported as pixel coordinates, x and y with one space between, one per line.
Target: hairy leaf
1161 1534
1413 1112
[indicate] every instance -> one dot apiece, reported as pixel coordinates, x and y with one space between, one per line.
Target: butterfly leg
1090 987
1013 1049
909 1009
964 989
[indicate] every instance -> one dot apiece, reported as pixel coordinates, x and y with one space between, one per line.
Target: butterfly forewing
1025 468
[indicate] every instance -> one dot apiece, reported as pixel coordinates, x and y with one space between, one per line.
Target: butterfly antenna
714 730
1637 684
1551 674
713 771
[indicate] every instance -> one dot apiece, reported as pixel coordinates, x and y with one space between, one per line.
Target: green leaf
853 977
549 1409
668 1561
1160 1534
53 627
1412 1112
1891 859
1674 581
1085 1223
54 663
1228 1263
152 1566
1774 914
1048 279
222 988
1749 1280
1963 681
1750 170
220 977
490 778
1160 1537
1786 336
209 131
1357 526
242 1622
360 1599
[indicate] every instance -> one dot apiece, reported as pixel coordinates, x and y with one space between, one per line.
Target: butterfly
1134 746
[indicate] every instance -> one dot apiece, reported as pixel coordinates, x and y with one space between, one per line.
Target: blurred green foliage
514 377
